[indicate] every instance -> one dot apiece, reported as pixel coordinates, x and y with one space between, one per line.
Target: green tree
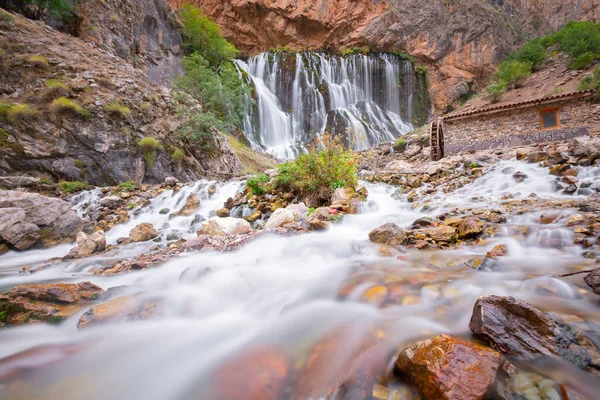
532 52
200 34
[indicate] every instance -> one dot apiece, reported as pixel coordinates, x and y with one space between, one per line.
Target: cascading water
280 294
364 99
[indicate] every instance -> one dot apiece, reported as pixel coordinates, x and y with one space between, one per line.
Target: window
549 118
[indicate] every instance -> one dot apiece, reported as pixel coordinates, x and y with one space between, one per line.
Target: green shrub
400 144
71 187
591 82
583 61
495 91
38 62
532 52
149 146
20 112
258 184
318 173
200 34
118 109
577 39
54 89
127 186
177 156
513 72
6 20
198 130
63 106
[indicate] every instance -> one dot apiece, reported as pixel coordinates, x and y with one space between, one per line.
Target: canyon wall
460 42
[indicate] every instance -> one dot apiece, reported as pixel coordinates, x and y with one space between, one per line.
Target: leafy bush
71 187
127 186
54 89
177 156
532 52
513 72
591 82
257 184
6 20
63 106
577 39
495 91
38 62
202 35
328 166
198 130
118 109
20 112
221 94
149 146
583 61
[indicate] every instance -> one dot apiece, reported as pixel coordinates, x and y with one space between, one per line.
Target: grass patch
400 144
258 184
71 187
64 106
40 62
127 186
118 109
16 113
177 156
149 146
54 88
252 161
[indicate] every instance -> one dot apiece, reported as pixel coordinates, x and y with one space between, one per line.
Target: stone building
537 120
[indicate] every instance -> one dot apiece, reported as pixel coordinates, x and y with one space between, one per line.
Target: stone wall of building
510 128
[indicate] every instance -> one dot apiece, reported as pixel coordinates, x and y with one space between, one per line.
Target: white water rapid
278 292
365 99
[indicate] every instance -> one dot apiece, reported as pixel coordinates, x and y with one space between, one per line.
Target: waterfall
363 99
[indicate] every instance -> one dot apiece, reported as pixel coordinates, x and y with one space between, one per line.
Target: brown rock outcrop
124 308
446 368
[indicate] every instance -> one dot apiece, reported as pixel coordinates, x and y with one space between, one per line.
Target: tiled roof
519 104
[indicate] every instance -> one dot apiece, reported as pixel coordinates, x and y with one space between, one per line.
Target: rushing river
284 291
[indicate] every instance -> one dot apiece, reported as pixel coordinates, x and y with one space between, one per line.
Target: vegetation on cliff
580 41
211 78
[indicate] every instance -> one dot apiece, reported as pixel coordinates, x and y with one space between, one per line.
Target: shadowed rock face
516 328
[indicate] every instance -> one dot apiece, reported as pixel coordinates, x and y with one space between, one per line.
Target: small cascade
363 99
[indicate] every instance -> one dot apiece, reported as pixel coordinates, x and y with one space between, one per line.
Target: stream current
282 291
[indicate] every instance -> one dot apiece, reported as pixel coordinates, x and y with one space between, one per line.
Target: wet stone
388 234
447 368
516 328
593 280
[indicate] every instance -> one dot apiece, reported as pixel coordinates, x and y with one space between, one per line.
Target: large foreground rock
32 220
286 216
446 368
390 234
88 244
45 302
217 226
518 329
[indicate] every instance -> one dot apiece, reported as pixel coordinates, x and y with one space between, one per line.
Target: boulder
125 308
299 209
537 156
518 329
281 217
354 206
593 280
111 201
45 302
255 216
217 226
389 234
443 233
88 244
259 373
13 182
171 181
470 228
143 232
341 195
443 368
191 204
318 225
222 212
30 219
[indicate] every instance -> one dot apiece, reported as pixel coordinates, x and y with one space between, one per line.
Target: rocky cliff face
143 32
92 136
461 42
